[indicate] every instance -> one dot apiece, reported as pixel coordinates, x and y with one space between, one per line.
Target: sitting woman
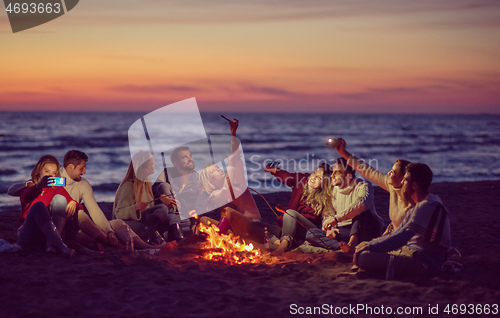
309 198
36 227
134 203
231 193
67 214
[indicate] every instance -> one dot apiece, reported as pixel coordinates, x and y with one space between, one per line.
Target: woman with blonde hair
310 196
37 199
134 203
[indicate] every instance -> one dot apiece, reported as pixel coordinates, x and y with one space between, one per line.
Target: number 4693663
471 309
33 8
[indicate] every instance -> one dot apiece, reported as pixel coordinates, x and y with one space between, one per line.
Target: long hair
37 170
402 165
139 161
318 198
205 180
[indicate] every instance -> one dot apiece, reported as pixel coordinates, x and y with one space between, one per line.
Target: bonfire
227 248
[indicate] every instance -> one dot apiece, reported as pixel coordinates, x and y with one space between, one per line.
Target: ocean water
456 147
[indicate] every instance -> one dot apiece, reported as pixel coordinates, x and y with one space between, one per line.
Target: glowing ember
226 248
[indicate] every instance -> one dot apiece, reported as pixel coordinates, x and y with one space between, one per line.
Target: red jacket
32 195
296 181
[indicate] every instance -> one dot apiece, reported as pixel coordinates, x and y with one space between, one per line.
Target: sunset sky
391 56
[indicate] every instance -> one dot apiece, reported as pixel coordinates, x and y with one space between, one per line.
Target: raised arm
233 126
361 166
289 179
15 189
31 191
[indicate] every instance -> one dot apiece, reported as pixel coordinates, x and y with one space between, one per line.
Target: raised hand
233 126
341 144
272 167
42 183
338 144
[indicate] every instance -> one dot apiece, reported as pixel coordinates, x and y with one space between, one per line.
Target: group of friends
330 208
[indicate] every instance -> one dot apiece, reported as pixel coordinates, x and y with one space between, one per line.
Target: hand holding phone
271 167
56 181
332 142
229 120
233 124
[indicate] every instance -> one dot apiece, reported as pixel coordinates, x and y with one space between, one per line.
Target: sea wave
457 147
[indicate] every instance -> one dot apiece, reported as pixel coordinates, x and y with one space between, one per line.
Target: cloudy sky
386 56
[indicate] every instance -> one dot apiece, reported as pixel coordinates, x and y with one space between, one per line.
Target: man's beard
338 183
407 194
188 167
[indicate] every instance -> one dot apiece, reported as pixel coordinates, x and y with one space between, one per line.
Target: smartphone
56 181
332 142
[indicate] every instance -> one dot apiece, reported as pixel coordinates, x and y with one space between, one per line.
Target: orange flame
193 214
229 250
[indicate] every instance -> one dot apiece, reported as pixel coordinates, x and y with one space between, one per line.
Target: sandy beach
181 284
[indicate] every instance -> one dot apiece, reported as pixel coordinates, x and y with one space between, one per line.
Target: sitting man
420 244
352 217
74 165
183 180
391 182
69 224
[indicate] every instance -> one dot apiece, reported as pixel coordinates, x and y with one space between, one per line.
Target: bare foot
168 247
344 247
351 246
281 249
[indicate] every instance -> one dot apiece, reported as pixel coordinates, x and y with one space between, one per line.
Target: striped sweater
425 229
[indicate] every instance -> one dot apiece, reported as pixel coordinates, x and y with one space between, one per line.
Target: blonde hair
135 168
37 170
204 177
318 198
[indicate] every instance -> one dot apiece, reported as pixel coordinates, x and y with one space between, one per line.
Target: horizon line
256 112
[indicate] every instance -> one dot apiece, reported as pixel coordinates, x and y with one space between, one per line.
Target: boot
149 233
175 232
59 222
54 240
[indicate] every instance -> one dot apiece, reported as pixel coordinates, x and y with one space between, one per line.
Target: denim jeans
363 225
159 216
29 235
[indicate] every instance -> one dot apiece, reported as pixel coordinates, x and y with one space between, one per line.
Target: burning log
226 248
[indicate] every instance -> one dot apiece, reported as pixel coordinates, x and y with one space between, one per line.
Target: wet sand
181 284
